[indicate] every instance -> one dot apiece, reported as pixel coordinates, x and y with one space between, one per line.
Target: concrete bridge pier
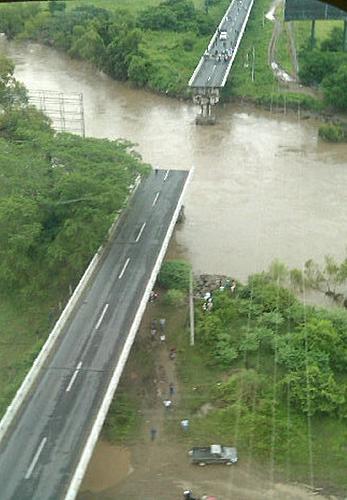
206 98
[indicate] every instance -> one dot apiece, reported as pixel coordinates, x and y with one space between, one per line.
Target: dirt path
290 81
159 469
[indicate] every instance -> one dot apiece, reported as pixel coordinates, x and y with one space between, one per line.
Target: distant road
214 67
40 455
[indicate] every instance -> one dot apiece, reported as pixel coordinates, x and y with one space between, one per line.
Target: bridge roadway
40 454
213 70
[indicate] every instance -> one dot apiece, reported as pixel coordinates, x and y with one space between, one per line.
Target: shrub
188 44
174 298
174 274
331 132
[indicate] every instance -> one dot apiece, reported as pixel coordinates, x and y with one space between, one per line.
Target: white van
223 35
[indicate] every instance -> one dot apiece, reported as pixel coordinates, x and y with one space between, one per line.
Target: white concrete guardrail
100 418
239 38
44 353
215 36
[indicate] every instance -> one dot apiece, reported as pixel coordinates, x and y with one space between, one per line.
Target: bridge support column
206 98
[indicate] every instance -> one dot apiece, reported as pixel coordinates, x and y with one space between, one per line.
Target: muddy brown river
264 186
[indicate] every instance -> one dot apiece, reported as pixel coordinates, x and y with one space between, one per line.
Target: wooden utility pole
191 308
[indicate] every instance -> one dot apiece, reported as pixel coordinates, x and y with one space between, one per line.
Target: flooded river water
264 186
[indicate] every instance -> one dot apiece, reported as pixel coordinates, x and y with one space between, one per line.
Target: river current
264 186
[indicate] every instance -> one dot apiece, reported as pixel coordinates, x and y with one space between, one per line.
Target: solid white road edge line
100 418
124 268
140 232
59 326
102 316
35 459
155 199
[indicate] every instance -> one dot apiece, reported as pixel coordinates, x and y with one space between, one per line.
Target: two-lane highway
40 454
214 66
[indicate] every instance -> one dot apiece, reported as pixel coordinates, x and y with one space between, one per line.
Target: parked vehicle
223 35
213 454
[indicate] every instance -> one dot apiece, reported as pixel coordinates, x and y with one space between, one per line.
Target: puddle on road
108 467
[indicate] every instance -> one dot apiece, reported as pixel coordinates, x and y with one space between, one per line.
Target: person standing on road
153 433
162 322
185 425
167 403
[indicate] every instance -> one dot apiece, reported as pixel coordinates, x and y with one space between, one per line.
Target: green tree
120 51
20 228
87 44
335 88
334 42
139 70
174 274
55 6
11 92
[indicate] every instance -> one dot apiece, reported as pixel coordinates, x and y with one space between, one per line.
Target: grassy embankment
280 443
264 88
266 445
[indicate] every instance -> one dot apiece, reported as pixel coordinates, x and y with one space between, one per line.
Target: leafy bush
335 88
174 274
122 419
174 298
334 42
171 15
308 344
331 133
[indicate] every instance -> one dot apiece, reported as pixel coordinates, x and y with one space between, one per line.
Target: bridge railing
239 38
214 38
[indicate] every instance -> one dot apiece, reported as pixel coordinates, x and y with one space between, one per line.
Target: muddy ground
143 469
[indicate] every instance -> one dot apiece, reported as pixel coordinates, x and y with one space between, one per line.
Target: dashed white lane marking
140 232
155 199
166 175
73 378
101 316
124 268
35 459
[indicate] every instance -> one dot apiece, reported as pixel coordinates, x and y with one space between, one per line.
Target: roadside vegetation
157 43
271 371
267 374
59 195
152 44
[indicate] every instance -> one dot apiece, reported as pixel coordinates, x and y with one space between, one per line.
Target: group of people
224 55
154 329
208 302
207 305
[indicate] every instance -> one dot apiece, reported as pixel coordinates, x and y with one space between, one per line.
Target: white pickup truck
213 454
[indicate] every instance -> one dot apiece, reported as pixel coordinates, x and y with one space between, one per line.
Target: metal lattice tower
65 110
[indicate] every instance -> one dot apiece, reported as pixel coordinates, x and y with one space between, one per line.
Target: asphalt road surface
38 458
214 66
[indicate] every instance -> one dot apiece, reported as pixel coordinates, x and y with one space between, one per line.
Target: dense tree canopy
59 192
264 323
326 66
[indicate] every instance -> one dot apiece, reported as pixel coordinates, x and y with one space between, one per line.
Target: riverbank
160 467
162 56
